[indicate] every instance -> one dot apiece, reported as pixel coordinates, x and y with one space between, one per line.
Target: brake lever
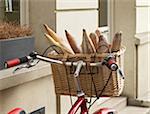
19 68
121 73
27 65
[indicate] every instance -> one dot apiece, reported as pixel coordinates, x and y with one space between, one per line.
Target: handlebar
108 61
18 61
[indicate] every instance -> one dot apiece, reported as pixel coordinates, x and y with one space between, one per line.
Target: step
117 103
135 110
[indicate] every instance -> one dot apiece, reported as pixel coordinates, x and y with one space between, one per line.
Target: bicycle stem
78 68
77 80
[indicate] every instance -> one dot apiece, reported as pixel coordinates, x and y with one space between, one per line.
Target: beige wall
124 20
40 12
30 96
1 10
0 103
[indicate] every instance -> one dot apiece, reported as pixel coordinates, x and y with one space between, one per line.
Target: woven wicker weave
92 79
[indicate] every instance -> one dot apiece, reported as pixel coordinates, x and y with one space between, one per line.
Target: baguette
102 46
98 33
94 39
116 43
53 34
72 42
65 50
58 39
87 45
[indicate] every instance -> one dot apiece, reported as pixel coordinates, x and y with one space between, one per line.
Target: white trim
10 5
142 6
24 12
143 37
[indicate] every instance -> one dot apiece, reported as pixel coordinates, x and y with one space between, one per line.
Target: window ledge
9 79
142 38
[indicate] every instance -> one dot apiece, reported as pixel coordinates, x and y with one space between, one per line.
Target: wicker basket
92 79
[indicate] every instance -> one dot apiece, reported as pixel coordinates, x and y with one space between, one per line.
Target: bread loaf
53 34
65 50
102 46
58 39
94 39
72 42
98 33
116 43
87 45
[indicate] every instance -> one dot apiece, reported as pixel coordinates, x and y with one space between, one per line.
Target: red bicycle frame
81 101
17 111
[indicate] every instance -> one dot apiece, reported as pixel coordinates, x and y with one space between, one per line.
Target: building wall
1 10
0 103
30 96
41 12
124 20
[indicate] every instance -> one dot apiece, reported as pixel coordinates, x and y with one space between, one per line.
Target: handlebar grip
110 63
16 61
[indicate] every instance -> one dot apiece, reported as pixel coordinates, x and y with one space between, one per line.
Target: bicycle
81 100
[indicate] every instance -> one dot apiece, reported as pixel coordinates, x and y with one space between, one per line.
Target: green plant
13 30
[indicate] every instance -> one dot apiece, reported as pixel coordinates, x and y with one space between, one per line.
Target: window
12 10
103 13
